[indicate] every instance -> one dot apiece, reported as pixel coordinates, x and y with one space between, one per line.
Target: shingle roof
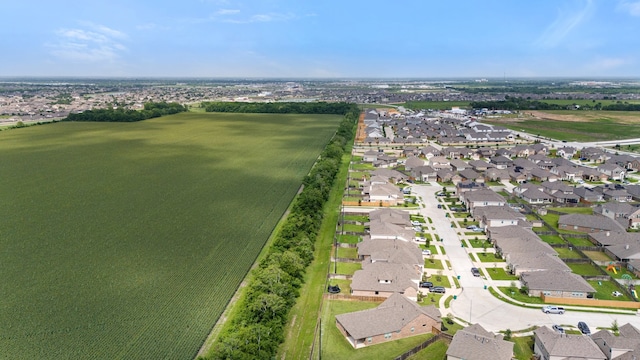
475 343
391 316
393 251
589 221
568 346
400 277
556 280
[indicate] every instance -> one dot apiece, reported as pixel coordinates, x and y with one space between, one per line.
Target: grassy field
127 240
578 125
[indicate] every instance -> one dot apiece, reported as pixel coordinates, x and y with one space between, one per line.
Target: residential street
474 303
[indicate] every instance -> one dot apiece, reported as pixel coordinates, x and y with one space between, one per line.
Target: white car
426 252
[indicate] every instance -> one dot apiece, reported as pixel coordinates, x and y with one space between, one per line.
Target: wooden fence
441 336
348 297
591 302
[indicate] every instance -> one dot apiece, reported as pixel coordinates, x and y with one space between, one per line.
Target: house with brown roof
482 197
556 283
476 343
390 251
550 345
396 318
519 263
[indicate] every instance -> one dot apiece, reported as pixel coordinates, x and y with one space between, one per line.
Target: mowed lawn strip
127 240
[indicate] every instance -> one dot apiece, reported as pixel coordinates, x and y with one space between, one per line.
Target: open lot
576 125
127 240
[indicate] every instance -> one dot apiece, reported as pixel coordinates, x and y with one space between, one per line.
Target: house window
369 340
576 294
412 329
547 293
387 336
575 227
376 292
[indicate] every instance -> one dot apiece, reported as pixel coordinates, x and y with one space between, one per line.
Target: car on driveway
584 328
558 328
550 309
475 271
333 289
426 252
437 289
426 284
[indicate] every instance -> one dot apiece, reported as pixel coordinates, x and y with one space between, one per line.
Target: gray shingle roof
567 346
589 221
372 276
391 316
475 343
556 280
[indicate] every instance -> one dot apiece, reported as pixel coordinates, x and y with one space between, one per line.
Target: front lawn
433 264
499 274
489 257
585 269
440 280
478 244
515 294
430 298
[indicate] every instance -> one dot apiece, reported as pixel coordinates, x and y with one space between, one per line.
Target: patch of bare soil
558 117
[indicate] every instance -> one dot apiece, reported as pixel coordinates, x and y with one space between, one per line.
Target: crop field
576 125
127 240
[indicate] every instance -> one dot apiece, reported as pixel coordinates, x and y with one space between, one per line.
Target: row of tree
257 329
337 108
151 110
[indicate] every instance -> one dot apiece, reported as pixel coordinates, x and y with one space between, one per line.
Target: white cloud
631 7
565 23
93 43
227 11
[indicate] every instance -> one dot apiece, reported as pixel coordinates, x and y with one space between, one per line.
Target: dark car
475 271
438 289
558 329
584 328
426 284
333 289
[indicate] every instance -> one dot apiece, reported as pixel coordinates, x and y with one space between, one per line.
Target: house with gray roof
588 195
480 165
424 173
550 345
516 239
556 283
482 197
387 193
588 223
390 251
495 174
613 171
492 216
379 229
475 343
501 162
413 162
522 262
393 216
396 318
393 176
535 196
382 279
623 346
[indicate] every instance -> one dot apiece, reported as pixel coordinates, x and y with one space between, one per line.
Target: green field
580 125
127 240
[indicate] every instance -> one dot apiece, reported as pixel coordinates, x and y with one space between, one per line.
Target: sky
320 39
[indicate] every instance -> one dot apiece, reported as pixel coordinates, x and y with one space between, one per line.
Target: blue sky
287 38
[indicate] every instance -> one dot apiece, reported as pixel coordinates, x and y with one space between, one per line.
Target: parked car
333 289
441 194
416 223
426 284
420 239
426 252
550 309
584 328
475 271
438 289
558 328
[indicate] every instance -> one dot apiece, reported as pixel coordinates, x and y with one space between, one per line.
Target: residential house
480 165
471 175
382 279
482 197
476 343
390 251
535 196
566 152
495 174
387 193
588 195
613 171
550 345
459 165
521 262
501 162
588 223
424 173
593 154
494 216
379 229
556 283
370 156
393 216
623 345
430 151
413 162
393 176
396 318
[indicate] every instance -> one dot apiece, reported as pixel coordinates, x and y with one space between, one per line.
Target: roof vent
626 247
608 233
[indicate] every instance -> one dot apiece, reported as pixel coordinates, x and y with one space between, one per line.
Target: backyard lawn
605 289
435 351
579 241
523 348
349 239
597 256
619 272
348 268
585 269
565 253
348 253
552 239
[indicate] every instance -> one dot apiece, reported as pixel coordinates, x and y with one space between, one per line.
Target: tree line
337 108
257 329
516 103
151 110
